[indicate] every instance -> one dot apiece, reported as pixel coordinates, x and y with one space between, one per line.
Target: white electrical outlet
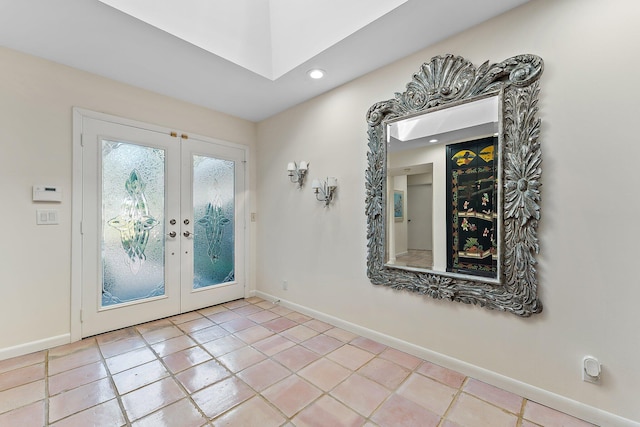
285 285
591 370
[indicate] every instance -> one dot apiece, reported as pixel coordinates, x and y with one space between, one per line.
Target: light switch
47 216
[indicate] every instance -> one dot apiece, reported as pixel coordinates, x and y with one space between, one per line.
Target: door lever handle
188 233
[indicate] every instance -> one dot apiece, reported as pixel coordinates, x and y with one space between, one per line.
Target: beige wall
588 279
588 263
36 100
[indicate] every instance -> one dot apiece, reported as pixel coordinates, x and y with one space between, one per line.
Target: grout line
172 375
46 387
113 384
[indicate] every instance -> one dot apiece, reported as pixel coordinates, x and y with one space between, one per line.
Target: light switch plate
47 216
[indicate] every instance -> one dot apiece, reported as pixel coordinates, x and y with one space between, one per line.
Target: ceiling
258 71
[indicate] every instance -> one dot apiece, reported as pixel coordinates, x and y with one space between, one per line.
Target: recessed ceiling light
433 140
316 73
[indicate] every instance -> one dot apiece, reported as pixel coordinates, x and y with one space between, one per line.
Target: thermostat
47 193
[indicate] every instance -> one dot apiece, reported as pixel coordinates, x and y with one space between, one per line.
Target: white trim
76 219
528 391
248 292
33 346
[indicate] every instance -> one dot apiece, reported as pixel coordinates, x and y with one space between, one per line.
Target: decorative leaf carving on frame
450 79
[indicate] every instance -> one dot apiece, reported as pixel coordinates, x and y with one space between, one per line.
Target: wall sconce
297 172
324 189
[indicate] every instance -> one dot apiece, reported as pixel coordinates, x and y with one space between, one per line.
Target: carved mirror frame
447 80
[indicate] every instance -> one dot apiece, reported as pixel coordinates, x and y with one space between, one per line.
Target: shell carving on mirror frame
449 79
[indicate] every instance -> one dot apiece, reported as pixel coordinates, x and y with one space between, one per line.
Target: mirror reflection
442 190
483 245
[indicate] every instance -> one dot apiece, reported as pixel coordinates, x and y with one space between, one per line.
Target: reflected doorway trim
76 205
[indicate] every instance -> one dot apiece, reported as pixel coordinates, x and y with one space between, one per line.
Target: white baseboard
528 391
33 346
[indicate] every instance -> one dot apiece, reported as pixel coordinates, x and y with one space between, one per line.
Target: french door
162 224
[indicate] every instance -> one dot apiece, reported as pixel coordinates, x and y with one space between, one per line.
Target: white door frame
77 199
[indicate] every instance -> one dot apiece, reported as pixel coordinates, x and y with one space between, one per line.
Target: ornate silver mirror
453 184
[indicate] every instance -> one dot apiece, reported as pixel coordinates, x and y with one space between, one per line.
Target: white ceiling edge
268 37
93 37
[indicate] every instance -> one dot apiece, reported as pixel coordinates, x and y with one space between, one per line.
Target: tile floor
249 363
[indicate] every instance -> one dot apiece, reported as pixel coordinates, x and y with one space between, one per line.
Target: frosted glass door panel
133 244
214 214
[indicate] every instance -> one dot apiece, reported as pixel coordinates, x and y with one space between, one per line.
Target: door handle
172 234
188 233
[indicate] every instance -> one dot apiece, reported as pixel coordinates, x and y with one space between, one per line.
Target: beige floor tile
324 374
385 372
185 359
131 359
29 415
299 333
114 348
139 376
74 359
161 334
428 393
22 361
237 325
103 414
296 357
195 325
447 376
78 399
181 413
203 375
322 344
280 324
254 334
350 357
263 316
469 411
341 334
361 394
509 401
186 317
273 344
76 377
400 412
22 395
263 374
369 345
318 325
241 359
150 398
223 345
21 376
208 334
173 345
222 396
255 412
327 411
292 394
